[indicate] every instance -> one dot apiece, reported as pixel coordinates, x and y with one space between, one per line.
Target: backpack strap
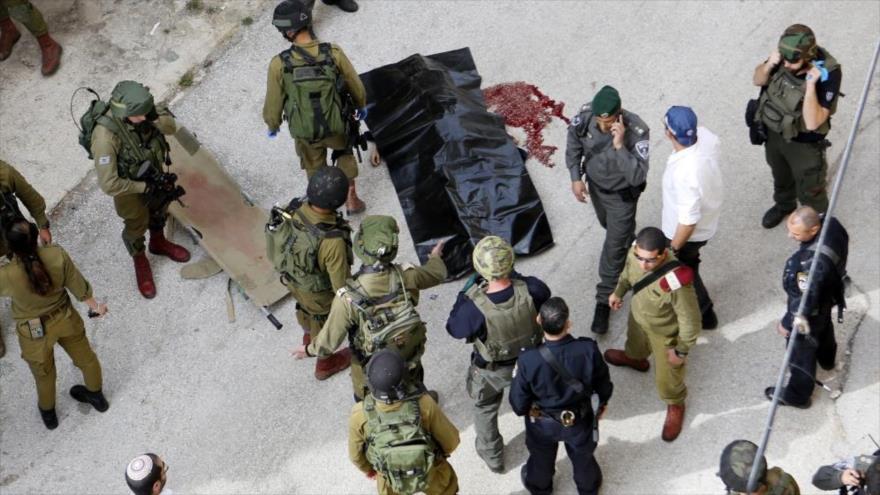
655 275
287 60
569 380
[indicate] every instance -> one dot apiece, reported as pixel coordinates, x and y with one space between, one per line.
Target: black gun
356 140
162 187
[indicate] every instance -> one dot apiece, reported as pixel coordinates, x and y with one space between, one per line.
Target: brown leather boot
9 36
619 358
354 205
144 275
163 247
51 54
329 366
674 420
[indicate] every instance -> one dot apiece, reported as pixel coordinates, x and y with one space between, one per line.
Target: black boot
710 319
773 216
600 318
50 419
84 395
345 5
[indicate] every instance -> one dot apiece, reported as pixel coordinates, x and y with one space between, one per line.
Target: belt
492 365
50 315
567 417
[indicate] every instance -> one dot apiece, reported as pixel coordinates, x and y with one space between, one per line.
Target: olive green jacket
274 104
12 181
27 304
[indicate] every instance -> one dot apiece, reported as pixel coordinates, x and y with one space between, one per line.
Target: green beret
606 102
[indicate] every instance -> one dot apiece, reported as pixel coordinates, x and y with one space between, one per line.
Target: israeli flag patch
104 160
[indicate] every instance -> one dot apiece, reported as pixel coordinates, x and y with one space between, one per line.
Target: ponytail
21 236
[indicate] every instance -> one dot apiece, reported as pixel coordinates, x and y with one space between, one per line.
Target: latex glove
361 113
271 133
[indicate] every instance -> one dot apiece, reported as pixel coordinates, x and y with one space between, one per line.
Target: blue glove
271 133
361 113
820 64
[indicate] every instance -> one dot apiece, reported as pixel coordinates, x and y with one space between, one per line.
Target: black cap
328 188
291 15
385 372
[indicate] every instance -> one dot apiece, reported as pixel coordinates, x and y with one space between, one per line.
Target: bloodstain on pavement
524 105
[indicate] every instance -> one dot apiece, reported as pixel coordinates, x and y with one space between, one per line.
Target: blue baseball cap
682 123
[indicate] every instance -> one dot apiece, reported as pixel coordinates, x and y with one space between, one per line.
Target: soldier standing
497 312
38 279
664 320
379 304
561 388
398 435
14 187
315 257
129 149
24 12
736 464
797 100
314 86
608 147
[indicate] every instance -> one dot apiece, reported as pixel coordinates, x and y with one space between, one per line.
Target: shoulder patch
104 160
576 120
643 148
677 278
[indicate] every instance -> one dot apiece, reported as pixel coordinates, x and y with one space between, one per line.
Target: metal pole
800 324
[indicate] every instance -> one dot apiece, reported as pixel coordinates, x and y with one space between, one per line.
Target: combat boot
345 5
161 246
50 419
144 275
674 420
354 205
51 54
86 396
9 36
336 362
773 216
619 358
600 318
2 345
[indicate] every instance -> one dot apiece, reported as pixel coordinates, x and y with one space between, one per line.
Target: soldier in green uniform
14 187
399 436
37 279
800 84
315 257
498 314
376 308
32 19
608 147
664 320
310 85
736 464
129 150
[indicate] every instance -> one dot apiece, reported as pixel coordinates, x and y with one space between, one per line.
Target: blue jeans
542 440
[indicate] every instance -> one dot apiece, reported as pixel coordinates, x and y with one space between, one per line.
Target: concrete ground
231 412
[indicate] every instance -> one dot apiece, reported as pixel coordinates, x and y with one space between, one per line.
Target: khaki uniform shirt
343 316
12 181
274 104
332 259
27 304
674 314
106 147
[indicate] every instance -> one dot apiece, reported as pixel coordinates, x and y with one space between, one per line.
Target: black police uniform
827 292
537 384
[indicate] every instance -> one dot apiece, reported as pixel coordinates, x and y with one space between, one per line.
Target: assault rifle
162 187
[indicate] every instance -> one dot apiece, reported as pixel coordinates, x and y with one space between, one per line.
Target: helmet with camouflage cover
736 465
131 98
376 240
493 258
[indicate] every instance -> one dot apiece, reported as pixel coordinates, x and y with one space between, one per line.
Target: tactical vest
312 94
384 321
292 244
510 325
398 446
137 147
780 106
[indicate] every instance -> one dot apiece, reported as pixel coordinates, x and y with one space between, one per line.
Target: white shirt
693 189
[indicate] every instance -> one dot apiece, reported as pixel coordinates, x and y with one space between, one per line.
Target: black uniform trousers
689 255
822 348
542 439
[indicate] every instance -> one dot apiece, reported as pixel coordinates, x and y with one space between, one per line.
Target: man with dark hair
800 82
147 474
561 388
664 320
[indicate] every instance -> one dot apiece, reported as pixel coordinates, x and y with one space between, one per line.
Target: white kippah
139 468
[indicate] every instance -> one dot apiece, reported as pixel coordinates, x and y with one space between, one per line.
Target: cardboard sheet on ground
457 172
229 226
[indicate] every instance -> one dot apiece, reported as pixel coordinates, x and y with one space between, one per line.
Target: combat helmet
328 188
736 465
385 372
291 15
493 258
376 240
798 42
131 98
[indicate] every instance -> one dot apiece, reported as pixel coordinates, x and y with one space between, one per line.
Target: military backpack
510 326
398 446
292 244
313 87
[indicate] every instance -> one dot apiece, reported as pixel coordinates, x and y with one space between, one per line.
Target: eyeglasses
647 260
